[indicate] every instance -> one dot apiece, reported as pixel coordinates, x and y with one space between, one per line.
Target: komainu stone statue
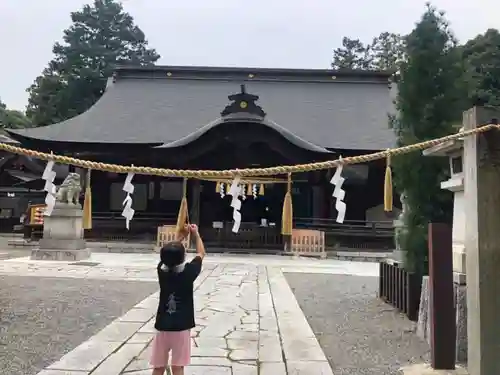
400 229
70 189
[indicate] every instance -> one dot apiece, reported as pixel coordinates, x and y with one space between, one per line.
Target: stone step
147 248
104 247
359 256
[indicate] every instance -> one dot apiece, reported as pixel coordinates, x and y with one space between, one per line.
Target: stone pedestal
424 312
62 235
461 311
398 256
424 324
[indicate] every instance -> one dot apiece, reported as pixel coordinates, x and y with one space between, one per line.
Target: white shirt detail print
171 304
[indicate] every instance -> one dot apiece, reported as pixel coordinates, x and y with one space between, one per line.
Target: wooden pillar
317 204
194 201
442 308
157 189
482 242
325 213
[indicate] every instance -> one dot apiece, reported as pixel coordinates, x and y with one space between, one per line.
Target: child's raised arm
200 247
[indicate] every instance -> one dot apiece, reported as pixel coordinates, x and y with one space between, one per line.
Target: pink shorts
178 342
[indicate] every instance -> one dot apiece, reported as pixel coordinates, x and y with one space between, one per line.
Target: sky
256 33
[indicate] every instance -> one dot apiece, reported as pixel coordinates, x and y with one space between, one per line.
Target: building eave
252 73
238 118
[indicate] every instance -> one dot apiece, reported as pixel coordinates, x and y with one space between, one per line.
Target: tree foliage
430 101
102 36
352 55
437 80
481 57
10 118
385 52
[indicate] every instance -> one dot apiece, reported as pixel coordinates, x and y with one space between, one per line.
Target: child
175 316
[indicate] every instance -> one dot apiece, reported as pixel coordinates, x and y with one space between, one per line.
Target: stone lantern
453 150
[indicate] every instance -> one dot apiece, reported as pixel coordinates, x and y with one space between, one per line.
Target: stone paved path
249 322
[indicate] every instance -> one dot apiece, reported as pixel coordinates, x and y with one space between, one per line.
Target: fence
304 242
308 242
400 289
167 233
352 234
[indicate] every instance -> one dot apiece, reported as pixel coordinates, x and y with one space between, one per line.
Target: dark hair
172 254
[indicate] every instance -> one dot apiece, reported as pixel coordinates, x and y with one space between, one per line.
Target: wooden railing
307 242
110 226
352 234
304 242
249 236
168 233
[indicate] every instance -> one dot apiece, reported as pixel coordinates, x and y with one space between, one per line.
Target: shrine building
221 118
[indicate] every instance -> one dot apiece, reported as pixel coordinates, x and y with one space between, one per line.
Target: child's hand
193 228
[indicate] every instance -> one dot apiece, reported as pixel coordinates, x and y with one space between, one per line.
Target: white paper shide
338 193
128 211
235 192
50 199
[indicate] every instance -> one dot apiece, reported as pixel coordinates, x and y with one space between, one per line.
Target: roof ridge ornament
243 102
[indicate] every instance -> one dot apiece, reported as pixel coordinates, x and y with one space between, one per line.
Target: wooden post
442 314
482 242
194 201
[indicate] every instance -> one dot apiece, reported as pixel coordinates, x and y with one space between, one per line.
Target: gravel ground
358 333
41 319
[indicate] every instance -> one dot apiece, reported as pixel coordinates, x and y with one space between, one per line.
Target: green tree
102 36
429 103
352 55
10 118
385 52
482 62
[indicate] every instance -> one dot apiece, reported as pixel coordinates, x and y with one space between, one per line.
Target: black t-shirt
176 307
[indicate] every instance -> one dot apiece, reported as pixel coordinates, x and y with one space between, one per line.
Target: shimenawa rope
247 172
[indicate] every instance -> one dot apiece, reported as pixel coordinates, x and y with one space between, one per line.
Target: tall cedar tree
429 104
102 36
482 61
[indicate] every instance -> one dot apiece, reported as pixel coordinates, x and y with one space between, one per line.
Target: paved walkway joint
248 323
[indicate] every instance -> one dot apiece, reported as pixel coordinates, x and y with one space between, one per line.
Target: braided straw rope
247 172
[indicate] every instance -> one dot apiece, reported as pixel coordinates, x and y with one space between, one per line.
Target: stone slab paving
41 319
358 333
142 267
248 323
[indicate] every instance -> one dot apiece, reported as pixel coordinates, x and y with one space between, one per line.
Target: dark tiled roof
330 109
6 139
